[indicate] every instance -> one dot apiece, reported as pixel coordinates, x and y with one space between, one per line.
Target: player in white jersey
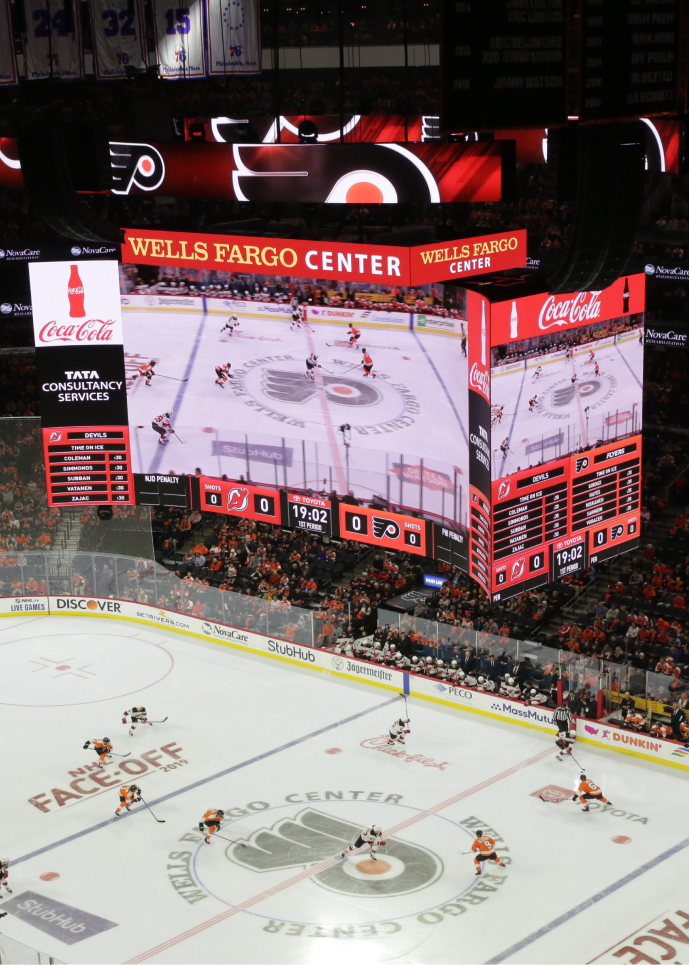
230 325
161 424
311 366
297 316
537 373
4 874
138 716
398 730
371 836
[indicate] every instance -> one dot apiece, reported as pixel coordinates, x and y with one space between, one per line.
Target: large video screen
300 383
566 417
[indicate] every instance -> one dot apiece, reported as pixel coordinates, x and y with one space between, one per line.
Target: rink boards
487 704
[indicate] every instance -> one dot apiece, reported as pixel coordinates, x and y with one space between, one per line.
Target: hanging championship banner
52 46
179 40
120 40
234 37
8 62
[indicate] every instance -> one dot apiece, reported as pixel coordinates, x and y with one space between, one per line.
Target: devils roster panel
87 465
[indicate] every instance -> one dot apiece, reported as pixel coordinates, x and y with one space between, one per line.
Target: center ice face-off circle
350 396
63 669
564 400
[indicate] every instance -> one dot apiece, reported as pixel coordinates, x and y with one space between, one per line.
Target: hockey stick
159 820
171 377
577 763
113 754
215 833
177 437
404 698
157 721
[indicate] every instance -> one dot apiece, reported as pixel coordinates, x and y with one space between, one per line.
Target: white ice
601 408
67 679
413 413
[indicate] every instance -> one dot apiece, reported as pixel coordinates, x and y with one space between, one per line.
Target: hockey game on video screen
300 383
566 415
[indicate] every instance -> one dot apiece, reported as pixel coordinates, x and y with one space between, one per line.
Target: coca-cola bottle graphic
514 322
483 333
75 294
625 297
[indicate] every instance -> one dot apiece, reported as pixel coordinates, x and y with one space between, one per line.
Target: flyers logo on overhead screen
139 165
384 528
237 499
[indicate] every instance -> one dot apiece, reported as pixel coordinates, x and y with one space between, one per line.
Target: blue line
207 780
179 398
589 903
509 434
627 364
443 386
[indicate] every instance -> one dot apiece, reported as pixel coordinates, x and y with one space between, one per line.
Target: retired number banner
234 37
53 40
8 62
179 40
120 40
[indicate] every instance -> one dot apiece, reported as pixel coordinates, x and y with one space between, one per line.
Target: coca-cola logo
92 330
569 311
480 379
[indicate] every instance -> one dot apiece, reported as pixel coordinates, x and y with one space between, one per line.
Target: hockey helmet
533 692
481 680
454 664
439 663
479 834
392 648
376 829
106 740
462 675
221 814
510 681
414 660
429 659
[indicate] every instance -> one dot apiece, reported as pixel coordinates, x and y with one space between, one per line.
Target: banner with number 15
179 39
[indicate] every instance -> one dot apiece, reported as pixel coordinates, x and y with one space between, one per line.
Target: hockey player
367 364
311 366
537 698
129 794
470 680
484 850
297 315
574 380
537 373
635 721
210 822
566 731
505 446
230 325
661 730
371 836
145 372
102 748
161 425
485 684
398 730
588 791
532 403
4 875
138 716
596 369
222 374
497 417
354 334
592 356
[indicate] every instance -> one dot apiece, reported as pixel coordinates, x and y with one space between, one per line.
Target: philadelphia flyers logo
384 528
237 499
582 463
135 165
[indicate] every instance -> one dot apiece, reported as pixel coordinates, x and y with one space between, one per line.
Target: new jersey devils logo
384 528
582 463
518 570
56 436
237 499
504 488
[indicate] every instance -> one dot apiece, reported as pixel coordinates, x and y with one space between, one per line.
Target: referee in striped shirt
562 716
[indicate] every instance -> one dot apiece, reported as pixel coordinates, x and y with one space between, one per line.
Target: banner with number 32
120 40
179 40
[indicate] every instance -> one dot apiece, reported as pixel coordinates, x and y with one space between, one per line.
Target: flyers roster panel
80 363
566 414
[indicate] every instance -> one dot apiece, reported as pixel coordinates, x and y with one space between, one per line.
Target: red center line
316 869
329 428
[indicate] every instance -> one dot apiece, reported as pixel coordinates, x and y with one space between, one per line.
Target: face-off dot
369 867
49 876
621 839
333 750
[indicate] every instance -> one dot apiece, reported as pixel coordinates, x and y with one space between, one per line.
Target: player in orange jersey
484 850
588 791
129 794
368 364
102 748
354 334
210 822
145 372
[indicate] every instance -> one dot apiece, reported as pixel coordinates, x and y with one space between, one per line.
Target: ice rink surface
597 408
299 761
276 415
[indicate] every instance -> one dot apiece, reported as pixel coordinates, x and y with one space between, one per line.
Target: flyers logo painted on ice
517 570
56 436
582 463
135 164
504 488
384 528
237 499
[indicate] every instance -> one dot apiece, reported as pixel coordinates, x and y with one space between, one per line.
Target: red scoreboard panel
88 464
377 527
240 499
553 521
